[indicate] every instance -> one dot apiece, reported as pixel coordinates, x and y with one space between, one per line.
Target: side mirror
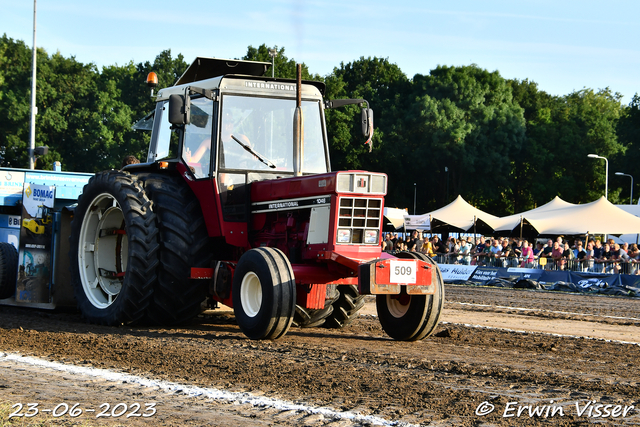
179 107
367 122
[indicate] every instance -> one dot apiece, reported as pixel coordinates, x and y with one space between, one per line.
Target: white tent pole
475 238
521 222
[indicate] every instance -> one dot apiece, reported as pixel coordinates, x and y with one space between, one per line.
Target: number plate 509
403 271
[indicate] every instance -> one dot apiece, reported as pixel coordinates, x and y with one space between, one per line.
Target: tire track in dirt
441 380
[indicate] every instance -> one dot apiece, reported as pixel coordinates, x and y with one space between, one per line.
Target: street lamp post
273 53
414 197
626 174
34 109
606 173
446 169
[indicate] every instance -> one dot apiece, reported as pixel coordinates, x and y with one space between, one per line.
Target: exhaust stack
298 126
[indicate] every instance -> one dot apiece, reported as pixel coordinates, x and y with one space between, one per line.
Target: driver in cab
237 148
193 157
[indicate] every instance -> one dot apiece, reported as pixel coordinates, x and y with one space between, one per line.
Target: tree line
503 144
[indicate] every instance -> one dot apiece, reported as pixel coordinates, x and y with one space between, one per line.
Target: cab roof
207 68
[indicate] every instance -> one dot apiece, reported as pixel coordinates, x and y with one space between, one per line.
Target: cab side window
196 146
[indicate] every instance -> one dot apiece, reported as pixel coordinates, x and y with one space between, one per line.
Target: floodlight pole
273 53
606 177
626 174
34 111
446 169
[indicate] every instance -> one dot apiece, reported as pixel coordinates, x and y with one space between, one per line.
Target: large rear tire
113 249
264 293
313 318
184 243
345 308
407 317
8 269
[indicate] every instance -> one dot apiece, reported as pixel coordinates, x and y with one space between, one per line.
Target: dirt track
442 380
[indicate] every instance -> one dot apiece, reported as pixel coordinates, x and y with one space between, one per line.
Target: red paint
201 273
311 296
206 193
320 273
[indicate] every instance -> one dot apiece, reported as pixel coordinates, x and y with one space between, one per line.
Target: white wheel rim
251 294
108 252
397 309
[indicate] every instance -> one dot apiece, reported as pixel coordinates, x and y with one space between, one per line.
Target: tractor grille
359 221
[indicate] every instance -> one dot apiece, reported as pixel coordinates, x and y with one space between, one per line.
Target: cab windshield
257 134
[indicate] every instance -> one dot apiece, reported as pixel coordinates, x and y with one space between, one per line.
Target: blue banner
588 280
484 274
630 280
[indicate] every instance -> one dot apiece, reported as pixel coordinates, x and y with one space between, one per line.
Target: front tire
407 317
113 249
264 293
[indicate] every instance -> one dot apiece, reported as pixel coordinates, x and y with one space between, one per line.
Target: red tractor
237 204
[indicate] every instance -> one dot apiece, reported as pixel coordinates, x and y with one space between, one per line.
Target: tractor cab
230 130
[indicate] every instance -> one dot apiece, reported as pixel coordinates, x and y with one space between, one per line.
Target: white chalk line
521 331
545 311
194 391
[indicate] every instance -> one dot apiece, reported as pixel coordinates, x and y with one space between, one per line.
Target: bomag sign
42 193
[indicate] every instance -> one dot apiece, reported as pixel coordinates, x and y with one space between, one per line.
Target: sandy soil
559 354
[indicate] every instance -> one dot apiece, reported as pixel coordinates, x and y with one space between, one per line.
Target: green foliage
561 132
15 112
464 119
285 68
381 83
629 136
84 116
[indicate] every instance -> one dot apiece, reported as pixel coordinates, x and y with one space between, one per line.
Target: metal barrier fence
541 263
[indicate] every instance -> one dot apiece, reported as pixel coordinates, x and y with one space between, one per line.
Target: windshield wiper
260 157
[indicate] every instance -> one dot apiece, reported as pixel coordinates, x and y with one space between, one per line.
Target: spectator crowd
558 254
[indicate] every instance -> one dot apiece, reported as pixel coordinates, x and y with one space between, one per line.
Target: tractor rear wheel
113 249
264 293
184 243
8 269
407 317
310 318
345 308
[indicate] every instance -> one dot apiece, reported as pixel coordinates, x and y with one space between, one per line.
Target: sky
562 45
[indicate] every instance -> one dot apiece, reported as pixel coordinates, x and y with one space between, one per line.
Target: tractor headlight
344 235
371 236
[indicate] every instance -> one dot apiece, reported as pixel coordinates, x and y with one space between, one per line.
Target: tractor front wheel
407 317
264 293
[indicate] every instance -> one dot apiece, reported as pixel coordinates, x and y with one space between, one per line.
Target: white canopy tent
630 237
393 218
458 216
632 209
511 222
598 217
